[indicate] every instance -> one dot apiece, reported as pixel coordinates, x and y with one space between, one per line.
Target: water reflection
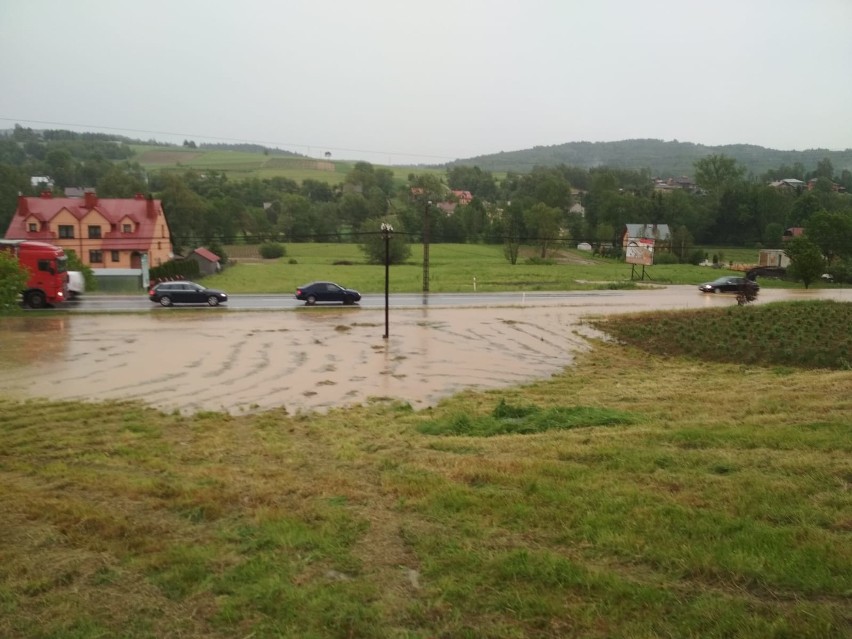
30 339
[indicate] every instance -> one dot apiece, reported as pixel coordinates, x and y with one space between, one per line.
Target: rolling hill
660 157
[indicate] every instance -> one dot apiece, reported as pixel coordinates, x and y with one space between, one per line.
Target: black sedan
326 292
168 293
729 284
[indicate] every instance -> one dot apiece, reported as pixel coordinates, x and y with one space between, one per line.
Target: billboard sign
640 250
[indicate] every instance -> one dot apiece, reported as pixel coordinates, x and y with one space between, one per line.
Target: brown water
304 360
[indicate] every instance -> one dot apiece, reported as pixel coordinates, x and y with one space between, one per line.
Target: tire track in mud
255 361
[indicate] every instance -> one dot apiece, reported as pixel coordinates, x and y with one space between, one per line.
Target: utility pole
387 231
426 246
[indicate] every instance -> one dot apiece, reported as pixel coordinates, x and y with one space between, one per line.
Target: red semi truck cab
47 269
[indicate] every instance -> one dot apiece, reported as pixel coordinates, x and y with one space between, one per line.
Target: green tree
121 182
13 279
481 184
544 222
12 182
824 169
62 167
512 223
184 210
373 242
806 260
717 171
772 235
832 233
354 210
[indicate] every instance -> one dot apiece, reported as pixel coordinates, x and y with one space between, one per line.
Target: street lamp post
426 246
387 231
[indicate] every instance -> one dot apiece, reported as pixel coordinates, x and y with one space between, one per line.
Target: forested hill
660 157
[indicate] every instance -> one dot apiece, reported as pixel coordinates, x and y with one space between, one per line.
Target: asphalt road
255 302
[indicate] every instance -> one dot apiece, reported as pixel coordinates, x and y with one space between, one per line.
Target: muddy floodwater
313 358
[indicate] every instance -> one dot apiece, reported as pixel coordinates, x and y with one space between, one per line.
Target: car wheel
348 300
717 290
165 301
311 300
213 300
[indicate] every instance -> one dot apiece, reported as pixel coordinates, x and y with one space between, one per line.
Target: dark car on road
729 284
169 293
326 292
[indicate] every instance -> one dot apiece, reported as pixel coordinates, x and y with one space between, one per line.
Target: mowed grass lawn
636 494
452 268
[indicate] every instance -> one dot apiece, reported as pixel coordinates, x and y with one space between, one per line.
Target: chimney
91 199
23 205
152 209
46 195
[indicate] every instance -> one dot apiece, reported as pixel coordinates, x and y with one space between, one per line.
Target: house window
96 257
94 232
114 256
33 227
66 232
126 228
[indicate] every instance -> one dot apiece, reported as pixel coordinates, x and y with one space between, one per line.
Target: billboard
640 250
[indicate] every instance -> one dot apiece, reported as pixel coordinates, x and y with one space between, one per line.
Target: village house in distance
104 233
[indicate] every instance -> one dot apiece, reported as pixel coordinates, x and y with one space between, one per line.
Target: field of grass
452 268
637 494
246 165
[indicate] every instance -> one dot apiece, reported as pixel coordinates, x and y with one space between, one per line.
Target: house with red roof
104 233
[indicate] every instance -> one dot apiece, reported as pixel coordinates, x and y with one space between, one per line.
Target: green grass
249 165
813 333
643 495
452 268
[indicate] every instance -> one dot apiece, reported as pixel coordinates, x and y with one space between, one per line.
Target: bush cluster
272 250
176 269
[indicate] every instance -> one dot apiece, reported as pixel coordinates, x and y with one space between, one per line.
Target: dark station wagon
169 293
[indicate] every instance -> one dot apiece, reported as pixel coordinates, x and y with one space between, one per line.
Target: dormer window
33 227
127 228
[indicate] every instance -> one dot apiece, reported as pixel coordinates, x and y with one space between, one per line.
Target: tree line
727 207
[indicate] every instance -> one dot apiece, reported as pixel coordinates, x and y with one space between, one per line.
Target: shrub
13 278
176 269
696 256
272 250
665 258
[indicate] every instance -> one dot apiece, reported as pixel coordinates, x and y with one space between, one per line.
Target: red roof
144 213
207 255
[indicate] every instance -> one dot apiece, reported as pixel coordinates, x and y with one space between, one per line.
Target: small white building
773 257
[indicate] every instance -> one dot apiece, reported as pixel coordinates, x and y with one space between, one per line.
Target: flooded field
311 359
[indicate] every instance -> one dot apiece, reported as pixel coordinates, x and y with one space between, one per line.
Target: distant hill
660 157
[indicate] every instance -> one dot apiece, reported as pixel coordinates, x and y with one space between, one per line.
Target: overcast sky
398 82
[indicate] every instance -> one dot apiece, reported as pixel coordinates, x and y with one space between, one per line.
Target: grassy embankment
637 494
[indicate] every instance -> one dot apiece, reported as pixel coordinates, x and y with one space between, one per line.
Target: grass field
637 494
452 268
245 165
